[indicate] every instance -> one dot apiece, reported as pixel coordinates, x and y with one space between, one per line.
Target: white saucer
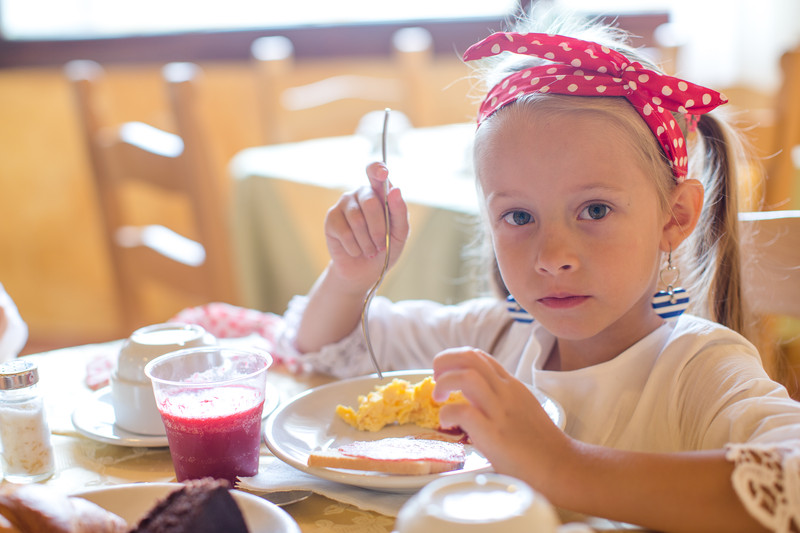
95 419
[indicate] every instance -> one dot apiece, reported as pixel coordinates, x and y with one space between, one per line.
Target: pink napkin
99 369
222 320
229 321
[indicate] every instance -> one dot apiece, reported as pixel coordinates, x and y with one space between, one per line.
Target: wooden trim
450 37
309 42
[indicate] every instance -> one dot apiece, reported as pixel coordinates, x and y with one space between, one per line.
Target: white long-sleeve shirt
689 385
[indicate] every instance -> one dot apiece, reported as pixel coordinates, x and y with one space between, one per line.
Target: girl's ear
683 213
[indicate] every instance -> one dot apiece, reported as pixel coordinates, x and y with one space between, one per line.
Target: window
71 19
52 32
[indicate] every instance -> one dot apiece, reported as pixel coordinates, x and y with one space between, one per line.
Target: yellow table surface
83 463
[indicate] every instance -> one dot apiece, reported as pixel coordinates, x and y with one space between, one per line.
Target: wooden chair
771 281
136 157
784 168
330 97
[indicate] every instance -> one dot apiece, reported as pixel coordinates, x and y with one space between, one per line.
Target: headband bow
585 68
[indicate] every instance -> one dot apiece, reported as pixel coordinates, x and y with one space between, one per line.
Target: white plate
308 422
95 419
131 502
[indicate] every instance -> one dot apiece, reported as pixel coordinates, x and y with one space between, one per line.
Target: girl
590 196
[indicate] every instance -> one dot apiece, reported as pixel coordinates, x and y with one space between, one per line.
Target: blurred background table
282 192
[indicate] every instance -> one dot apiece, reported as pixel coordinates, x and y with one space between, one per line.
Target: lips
565 301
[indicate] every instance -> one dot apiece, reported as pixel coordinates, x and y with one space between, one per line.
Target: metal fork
374 289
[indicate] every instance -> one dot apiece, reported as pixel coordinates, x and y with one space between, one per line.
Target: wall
53 260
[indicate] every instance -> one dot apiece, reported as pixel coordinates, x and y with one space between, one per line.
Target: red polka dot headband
585 68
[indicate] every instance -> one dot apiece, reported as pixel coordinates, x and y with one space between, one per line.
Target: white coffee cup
473 503
131 391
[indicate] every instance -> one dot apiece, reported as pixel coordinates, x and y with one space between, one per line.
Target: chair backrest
331 96
784 167
770 246
134 157
771 262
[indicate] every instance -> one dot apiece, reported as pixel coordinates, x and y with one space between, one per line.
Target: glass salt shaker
27 454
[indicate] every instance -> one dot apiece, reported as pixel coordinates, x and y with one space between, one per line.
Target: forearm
332 312
667 492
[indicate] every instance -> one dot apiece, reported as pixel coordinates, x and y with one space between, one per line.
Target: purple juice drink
221 440
211 400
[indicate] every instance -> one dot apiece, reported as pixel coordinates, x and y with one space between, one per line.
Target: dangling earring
517 312
672 302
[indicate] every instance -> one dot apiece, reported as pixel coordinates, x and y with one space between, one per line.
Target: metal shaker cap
18 374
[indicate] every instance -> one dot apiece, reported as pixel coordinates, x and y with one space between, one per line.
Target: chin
571 329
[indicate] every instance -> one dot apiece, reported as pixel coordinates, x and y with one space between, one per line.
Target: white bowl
135 407
147 343
473 503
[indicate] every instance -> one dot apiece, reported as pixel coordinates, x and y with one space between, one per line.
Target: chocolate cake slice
200 506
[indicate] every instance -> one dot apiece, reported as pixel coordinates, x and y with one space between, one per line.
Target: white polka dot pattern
586 68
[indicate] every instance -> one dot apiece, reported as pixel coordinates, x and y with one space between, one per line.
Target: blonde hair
709 258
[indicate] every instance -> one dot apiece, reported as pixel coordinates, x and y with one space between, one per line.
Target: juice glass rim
266 356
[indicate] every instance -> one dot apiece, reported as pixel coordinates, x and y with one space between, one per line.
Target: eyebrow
600 187
495 196
592 187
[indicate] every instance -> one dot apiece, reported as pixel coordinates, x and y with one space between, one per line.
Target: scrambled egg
398 402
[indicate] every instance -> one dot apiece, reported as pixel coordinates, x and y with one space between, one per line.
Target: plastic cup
211 400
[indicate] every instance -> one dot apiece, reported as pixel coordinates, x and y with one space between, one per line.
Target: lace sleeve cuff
346 358
766 478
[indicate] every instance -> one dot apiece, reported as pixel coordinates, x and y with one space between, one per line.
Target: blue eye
595 211
518 218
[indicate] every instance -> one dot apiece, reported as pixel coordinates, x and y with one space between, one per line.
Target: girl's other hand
355 230
503 418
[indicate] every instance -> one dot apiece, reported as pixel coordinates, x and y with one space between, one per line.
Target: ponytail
711 252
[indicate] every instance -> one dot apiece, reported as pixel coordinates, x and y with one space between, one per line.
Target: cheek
632 263
511 260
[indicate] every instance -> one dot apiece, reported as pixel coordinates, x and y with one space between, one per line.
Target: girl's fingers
475 361
372 205
338 234
365 216
398 215
465 416
467 370
345 225
373 211
356 225
377 173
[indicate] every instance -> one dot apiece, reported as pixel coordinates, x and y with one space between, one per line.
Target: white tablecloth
282 193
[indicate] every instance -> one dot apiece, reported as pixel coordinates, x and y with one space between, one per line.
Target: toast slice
404 456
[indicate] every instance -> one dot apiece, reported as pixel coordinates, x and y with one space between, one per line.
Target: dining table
85 463
68 382
282 192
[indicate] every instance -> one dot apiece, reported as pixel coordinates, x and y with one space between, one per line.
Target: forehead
525 131
526 144
614 114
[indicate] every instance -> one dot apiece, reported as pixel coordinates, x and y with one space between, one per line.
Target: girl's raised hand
355 230
503 418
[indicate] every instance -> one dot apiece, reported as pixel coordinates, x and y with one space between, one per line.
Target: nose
555 254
